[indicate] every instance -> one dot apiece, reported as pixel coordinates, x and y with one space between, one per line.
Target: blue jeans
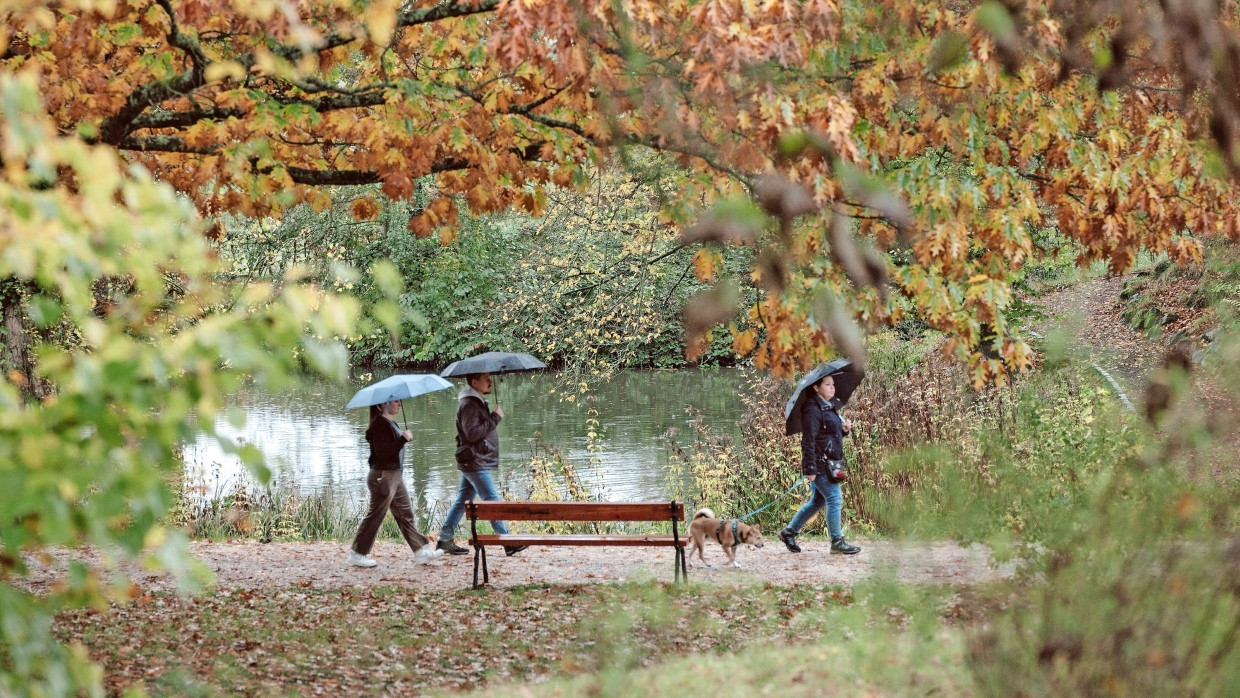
826 493
477 484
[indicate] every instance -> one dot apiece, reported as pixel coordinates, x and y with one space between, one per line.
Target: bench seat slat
575 539
577 511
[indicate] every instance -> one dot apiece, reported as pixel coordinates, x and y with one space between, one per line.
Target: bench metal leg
476 549
486 577
480 556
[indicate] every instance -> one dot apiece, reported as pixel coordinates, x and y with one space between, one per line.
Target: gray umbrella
492 362
847 377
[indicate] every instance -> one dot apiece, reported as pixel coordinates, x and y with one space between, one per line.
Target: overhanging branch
116 128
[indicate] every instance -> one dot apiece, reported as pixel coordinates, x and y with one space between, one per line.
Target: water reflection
313 443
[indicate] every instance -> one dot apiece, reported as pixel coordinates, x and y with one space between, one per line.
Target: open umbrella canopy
492 362
847 377
398 387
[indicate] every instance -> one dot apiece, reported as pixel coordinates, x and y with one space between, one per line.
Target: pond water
313 444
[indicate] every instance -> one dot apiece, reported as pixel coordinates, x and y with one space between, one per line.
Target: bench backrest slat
578 511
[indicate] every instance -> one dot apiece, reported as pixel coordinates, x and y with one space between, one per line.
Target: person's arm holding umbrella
385 442
811 417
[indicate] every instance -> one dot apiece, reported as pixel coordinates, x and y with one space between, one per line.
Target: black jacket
822 435
476 426
386 444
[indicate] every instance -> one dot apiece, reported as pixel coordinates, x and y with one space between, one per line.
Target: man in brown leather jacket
476 431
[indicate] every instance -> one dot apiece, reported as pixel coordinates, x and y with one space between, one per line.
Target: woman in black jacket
387 489
822 441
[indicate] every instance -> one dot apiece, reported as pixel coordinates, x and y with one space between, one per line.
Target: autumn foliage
901 146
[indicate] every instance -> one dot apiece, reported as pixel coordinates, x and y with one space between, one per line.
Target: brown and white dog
729 533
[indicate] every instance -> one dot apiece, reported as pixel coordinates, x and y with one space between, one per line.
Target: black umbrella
493 362
847 377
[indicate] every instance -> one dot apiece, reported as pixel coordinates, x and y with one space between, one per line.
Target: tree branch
185 42
372 98
162 144
181 119
308 176
300 175
114 129
526 110
117 127
175 119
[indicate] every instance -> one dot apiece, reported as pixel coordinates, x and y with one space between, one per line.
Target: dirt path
247 565
1090 312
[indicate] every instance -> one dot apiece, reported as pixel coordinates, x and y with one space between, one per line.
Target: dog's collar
736 538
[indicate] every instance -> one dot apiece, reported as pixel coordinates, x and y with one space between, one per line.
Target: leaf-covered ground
295 618
409 641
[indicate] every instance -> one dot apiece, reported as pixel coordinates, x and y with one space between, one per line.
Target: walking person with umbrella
477 439
813 410
385 481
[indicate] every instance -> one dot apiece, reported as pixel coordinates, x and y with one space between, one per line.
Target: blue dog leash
768 506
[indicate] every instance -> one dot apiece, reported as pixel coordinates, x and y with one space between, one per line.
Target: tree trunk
16 358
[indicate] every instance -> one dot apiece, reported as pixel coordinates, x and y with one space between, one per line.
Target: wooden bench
575 511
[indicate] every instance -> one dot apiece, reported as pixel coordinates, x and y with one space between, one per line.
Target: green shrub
1138 592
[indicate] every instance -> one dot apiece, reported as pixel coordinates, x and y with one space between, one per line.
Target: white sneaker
358 560
427 553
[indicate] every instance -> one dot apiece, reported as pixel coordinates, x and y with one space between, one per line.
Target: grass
905 665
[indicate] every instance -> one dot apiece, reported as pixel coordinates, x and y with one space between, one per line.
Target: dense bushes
596 284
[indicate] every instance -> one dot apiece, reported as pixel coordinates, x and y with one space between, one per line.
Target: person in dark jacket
387 489
476 429
822 441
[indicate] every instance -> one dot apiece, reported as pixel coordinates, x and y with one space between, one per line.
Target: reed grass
245 509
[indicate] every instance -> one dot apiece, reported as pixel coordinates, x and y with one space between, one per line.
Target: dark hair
376 411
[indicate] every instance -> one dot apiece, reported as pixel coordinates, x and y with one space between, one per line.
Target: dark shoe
450 547
842 547
511 550
790 539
